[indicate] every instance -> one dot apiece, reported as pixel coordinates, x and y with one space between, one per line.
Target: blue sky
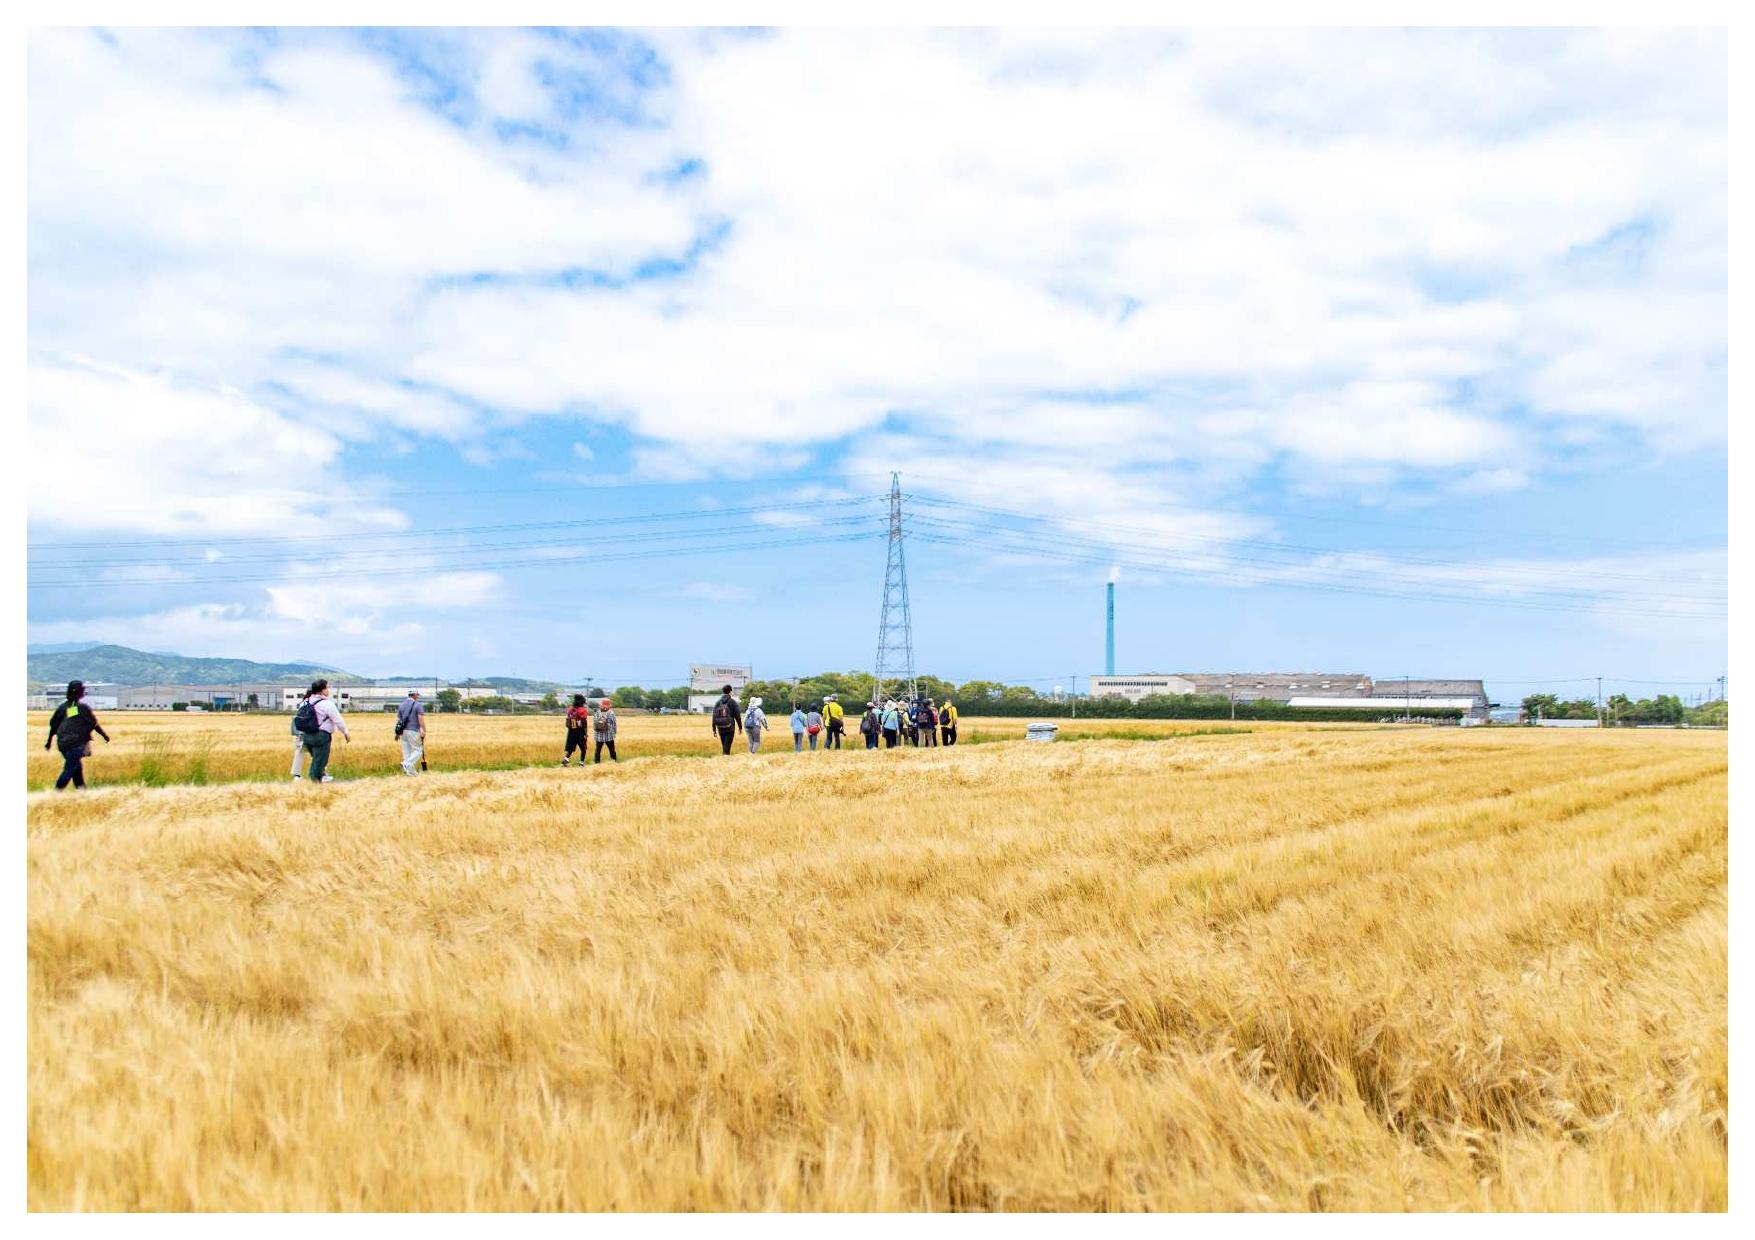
1395 352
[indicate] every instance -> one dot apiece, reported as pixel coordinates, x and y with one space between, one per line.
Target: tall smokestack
1109 642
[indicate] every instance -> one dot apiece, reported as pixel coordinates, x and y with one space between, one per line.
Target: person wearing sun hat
755 722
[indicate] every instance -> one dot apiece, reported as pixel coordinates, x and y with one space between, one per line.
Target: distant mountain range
126 666
59 662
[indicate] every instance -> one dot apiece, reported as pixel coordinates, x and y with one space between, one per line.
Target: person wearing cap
411 730
833 722
71 727
755 722
870 725
604 732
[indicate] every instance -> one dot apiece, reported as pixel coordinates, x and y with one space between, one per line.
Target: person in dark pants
578 719
71 727
727 719
870 725
329 721
605 733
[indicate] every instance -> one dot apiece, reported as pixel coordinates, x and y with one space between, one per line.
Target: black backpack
305 718
725 713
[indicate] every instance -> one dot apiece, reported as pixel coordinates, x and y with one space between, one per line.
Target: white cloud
125 449
1121 272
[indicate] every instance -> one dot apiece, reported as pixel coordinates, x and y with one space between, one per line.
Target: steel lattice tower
895 651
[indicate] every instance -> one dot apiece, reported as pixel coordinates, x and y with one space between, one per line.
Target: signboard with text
712 677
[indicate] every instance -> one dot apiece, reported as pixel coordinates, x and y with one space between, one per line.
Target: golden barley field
159 747
1287 969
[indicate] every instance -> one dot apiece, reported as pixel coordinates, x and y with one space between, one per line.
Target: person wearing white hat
755 722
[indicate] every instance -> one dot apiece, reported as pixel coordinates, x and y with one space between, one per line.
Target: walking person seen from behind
834 720
813 726
870 725
726 719
604 731
318 718
947 722
70 727
755 722
797 728
892 719
411 730
578 720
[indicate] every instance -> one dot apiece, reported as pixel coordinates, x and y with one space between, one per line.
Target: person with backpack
70 728
797 728
870 725
813 725
604 733
911 722
727 719
834 721
578 722
755 722
411 730
301 719
892 720
947 722
318 718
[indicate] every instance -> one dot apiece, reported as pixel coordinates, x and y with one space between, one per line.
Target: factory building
1133 688
1279 686
1313 690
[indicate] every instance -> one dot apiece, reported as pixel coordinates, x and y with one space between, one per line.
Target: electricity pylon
895 651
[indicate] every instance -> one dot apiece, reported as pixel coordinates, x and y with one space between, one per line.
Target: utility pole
1231 686
1601 722
895 650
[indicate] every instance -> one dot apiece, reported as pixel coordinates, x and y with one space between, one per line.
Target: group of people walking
581 720
919 722
317 719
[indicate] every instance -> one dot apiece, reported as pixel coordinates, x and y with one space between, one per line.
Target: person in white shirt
328 722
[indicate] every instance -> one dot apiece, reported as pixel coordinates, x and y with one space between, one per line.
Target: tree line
1620 709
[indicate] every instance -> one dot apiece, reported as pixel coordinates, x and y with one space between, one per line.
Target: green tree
450 700
1544 705
632 697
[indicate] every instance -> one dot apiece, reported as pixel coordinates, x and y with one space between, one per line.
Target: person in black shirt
71 727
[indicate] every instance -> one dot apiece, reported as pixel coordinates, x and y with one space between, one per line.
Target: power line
1214 563
1299 548
1394 525
1233 577
691 514
466 549
471 567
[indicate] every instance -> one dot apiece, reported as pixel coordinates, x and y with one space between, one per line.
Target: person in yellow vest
947 722
834 721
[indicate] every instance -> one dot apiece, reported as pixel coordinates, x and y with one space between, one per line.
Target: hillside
124 665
